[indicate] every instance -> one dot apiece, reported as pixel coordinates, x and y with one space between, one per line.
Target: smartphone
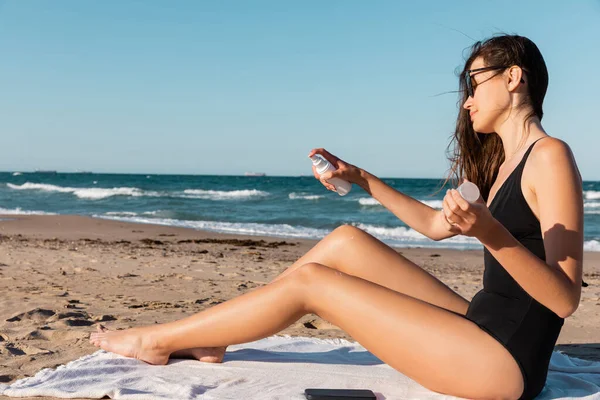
339 394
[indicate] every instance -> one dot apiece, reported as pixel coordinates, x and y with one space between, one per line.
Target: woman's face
491 98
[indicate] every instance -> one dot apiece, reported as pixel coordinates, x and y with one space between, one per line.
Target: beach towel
277 367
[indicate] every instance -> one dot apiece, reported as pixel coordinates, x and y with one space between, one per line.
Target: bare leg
355 252
251 316
410 335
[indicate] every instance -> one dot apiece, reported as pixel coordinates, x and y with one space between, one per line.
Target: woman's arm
555 283
420 217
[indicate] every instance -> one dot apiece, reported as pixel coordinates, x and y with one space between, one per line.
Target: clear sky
226 87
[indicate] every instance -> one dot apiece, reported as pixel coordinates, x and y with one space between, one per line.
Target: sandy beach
61 275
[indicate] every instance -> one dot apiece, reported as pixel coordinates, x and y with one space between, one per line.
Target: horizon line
52 172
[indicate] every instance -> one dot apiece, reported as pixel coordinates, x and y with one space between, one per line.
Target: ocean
277 206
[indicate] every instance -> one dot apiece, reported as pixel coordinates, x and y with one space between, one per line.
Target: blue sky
225 87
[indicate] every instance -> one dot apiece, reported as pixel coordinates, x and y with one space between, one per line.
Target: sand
62 275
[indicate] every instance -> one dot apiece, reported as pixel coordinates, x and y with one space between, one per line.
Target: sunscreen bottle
322 165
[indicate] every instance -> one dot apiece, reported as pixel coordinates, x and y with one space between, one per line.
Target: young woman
529 220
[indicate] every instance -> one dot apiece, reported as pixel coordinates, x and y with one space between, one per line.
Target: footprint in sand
13 350
58 335
32 350
77 322
70 314
36 315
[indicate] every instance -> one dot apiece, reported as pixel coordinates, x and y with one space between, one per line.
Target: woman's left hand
465 218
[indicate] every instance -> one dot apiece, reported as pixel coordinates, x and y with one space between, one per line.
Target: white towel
278 367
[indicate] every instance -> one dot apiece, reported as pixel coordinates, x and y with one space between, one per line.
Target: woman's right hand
344 171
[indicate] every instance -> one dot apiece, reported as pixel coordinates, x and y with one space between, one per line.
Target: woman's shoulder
549 154
549 150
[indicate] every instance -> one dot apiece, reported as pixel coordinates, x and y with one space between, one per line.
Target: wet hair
478 156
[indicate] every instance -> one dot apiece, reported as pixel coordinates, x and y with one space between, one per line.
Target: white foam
433 203
16 174
19 211
121 213
591 245
398 236
368 201
591 207
278 230
304 196
591 194
102 193
131 213
410 237
223 195
40 186
152 212
86 193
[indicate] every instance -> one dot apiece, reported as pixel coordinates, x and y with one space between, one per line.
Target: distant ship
254 174
44 171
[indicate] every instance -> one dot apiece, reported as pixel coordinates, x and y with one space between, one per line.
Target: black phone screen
339 394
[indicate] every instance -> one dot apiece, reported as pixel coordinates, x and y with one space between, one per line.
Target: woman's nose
468 103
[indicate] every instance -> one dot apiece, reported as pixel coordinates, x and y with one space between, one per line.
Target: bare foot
134 343
204 354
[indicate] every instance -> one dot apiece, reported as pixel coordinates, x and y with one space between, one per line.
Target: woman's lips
473 113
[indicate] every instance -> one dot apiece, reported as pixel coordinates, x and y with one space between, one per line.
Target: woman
531 225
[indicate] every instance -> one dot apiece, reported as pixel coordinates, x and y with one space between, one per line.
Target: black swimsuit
526 328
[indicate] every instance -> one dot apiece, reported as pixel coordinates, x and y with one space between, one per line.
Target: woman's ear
515 77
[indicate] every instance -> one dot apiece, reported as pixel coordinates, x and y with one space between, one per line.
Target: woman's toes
96 338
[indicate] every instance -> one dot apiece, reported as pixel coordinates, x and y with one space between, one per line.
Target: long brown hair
477 156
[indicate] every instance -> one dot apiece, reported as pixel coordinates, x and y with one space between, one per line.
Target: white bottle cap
316 159
469 191
321 164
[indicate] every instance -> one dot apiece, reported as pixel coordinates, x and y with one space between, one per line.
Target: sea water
277 206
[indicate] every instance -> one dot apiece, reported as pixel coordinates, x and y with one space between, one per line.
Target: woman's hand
464 218
344 171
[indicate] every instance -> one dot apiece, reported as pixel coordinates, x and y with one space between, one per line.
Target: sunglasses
472 84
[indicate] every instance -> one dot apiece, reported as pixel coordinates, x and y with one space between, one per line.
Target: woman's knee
343 235
347 231
309 272
305 280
